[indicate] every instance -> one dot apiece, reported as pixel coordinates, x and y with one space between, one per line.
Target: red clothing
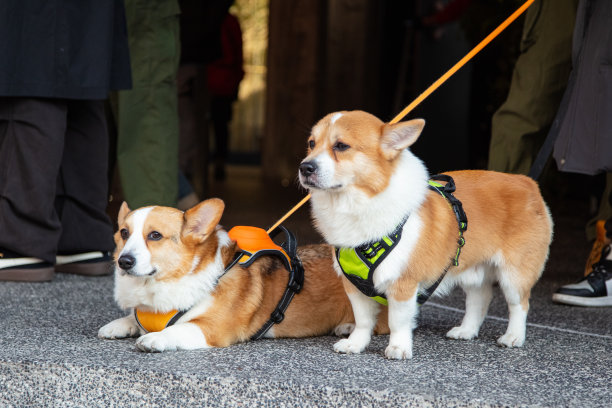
224 74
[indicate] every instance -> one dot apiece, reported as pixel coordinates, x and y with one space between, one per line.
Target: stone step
50 356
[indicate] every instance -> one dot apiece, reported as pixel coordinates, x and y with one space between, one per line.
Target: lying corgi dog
371 199
170 274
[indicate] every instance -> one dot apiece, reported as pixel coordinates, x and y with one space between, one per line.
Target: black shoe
96 263
593 290
19 268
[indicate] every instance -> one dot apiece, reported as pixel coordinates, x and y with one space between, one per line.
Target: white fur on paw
511 340
184 336
155 342
344 329
462 333
346 346
119 329
398 352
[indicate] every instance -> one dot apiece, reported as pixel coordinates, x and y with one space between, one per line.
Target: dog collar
359 264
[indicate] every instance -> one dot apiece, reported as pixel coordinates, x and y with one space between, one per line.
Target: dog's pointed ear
123 212
201 220
398 136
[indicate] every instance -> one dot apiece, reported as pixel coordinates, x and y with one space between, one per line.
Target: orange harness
253 243
156 321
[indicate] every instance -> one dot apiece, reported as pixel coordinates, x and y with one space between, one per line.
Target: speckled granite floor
50 355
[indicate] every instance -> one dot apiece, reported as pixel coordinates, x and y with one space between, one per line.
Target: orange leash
434 86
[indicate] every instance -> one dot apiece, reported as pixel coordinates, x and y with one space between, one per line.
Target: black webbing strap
294 286
447 192
424 294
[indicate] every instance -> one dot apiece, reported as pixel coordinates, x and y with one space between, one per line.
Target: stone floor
50 355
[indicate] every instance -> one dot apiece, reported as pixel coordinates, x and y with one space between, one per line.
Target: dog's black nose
308 168
126 262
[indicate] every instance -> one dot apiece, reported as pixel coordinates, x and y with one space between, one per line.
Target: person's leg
147 147
188 118
540 75
221 114
595 289
31 146
82 191
605 209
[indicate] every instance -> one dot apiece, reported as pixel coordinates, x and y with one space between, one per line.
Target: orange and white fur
169 260
364 182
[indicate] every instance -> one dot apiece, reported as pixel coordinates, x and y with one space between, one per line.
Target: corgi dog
167 260
365 184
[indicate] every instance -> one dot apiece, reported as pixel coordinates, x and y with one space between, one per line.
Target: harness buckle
277 316
368 251
295 286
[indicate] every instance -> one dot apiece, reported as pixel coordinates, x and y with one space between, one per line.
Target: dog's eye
154 236
125 234
311 144
339 146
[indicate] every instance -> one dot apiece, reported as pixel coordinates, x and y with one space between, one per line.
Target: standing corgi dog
369 191
170 273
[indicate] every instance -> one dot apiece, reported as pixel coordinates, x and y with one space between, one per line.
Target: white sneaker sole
86 256
582 301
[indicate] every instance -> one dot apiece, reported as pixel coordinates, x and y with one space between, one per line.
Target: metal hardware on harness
447 191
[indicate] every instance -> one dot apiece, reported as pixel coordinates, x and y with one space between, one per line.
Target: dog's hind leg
518 306
477 300
478 295
344 329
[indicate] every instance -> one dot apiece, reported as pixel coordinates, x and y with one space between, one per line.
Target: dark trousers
221 115
53 177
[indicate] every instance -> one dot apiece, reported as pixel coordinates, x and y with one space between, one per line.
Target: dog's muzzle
308 168
308 174
126 262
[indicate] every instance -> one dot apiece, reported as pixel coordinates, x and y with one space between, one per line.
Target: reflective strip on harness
358 264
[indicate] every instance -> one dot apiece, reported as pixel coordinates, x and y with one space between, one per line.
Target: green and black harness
359 264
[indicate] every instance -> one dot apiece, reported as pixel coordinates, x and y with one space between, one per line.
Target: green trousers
540 76
147 145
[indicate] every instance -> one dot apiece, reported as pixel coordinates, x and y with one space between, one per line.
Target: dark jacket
74 49
584 119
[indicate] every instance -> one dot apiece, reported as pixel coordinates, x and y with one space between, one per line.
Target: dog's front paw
155 343
185 336
346 346
462 333
511 340
119 329
344 329
398 352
